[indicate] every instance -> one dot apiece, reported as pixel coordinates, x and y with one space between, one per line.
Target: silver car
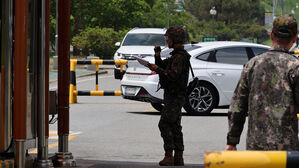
218 66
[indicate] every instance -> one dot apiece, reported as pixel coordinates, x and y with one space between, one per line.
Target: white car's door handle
218 73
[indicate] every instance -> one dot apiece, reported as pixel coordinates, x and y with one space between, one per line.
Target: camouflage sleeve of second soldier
238 109
294 78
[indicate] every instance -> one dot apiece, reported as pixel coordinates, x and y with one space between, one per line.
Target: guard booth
24 80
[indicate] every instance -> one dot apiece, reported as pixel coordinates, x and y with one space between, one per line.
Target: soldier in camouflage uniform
173 75
268 92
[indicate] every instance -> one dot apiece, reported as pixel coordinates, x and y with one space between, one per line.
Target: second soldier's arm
294 76
238 110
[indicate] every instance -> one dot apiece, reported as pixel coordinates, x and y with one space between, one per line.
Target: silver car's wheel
201 100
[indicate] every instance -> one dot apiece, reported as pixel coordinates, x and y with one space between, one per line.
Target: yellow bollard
75 95
71 97
73 63
97 62
298 116
121 62
117 93
245 159
121 68
97 71
97 93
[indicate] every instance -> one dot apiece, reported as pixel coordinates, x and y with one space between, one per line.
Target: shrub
99 41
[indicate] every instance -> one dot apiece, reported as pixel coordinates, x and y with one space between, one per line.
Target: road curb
83 75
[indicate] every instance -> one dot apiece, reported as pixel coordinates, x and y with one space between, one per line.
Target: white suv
138 42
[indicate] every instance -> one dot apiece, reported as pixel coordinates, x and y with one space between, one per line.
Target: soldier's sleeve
161 63
176 68
294 79
238 109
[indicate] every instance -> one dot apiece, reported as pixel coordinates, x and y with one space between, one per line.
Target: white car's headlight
119 55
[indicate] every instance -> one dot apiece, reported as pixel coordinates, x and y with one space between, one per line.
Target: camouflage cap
285 26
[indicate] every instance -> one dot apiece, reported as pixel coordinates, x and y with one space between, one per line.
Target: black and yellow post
98 93
73 63
97 77
73 89
252 159
294 52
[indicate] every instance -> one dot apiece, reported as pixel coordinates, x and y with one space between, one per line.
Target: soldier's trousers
170 122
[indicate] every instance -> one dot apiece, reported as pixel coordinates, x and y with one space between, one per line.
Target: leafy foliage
235 19
228 11
99 41
98 24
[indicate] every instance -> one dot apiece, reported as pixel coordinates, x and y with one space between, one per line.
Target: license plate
135 77
130 91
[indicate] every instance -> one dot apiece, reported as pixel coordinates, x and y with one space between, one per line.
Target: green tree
235 19
117 14
229 11
99 41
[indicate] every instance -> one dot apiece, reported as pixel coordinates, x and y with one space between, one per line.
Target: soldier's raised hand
157 50
231 148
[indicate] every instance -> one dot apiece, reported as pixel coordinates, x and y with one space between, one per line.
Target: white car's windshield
144 40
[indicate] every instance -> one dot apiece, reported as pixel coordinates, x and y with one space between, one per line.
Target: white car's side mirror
117 44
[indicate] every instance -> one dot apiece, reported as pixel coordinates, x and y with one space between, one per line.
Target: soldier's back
271 106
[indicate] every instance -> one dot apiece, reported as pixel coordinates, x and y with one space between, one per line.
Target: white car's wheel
202 100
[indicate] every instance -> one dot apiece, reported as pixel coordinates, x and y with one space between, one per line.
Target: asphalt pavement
115 164
115 132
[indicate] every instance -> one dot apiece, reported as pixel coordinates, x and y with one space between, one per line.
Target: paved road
115 130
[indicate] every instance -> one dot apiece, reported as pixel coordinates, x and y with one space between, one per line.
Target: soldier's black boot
168 159
178 158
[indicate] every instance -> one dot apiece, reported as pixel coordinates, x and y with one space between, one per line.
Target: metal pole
56 34
47 57
282 7
41 109
20 153
63 74
43 160
63 157
274 9
168 14
20 81
213 26
6 75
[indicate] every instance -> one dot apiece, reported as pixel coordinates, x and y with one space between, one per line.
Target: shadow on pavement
124 164
184 114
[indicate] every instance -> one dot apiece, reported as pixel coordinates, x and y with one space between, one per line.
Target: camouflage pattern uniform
268 92
174 72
